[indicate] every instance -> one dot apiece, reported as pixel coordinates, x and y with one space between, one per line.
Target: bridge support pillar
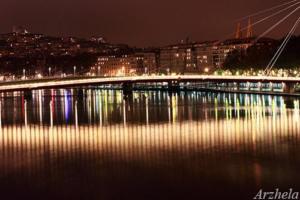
225 86
260 86
127 89
288 87
27 94
248 86
81 94
271 85
238 86
173 86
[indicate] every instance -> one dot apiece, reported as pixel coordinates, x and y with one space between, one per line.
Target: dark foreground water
151 146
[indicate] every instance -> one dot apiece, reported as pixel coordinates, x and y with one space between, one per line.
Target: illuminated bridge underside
64 83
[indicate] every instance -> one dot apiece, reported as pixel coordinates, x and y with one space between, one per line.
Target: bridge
172 82
288 85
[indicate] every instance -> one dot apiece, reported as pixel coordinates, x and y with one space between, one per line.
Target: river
151 145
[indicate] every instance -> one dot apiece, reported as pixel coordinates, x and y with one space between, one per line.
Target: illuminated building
147 62
113 65
127 64
205 56
222 50
179 58
198 57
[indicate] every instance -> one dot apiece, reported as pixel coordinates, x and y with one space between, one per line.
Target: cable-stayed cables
272 15
283 45
281 48
278 23
264 19
267 10
279 54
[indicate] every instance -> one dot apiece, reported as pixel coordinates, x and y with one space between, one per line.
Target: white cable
272 15
265 18
283 45
278 23
281 48
278 50
267 10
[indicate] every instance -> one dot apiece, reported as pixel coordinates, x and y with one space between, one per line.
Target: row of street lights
49 72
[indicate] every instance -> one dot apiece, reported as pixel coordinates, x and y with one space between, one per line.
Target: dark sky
135 22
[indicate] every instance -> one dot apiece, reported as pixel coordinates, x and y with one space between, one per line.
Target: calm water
151 146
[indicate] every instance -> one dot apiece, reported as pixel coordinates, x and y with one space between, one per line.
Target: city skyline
152 24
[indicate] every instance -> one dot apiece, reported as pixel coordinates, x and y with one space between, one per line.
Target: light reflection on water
249 141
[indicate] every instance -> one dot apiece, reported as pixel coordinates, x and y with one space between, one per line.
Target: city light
39 76
74 70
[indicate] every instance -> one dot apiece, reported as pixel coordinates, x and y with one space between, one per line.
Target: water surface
153 145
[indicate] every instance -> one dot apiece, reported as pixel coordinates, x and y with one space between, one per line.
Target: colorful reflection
249 140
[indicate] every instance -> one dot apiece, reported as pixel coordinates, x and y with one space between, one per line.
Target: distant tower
238 33
249 29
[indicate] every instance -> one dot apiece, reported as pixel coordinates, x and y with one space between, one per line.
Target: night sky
135 22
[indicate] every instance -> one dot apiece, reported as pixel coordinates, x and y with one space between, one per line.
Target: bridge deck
80 81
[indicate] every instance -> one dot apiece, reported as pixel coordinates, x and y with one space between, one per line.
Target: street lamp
123 70
24 73
49 71
168 71
75 70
